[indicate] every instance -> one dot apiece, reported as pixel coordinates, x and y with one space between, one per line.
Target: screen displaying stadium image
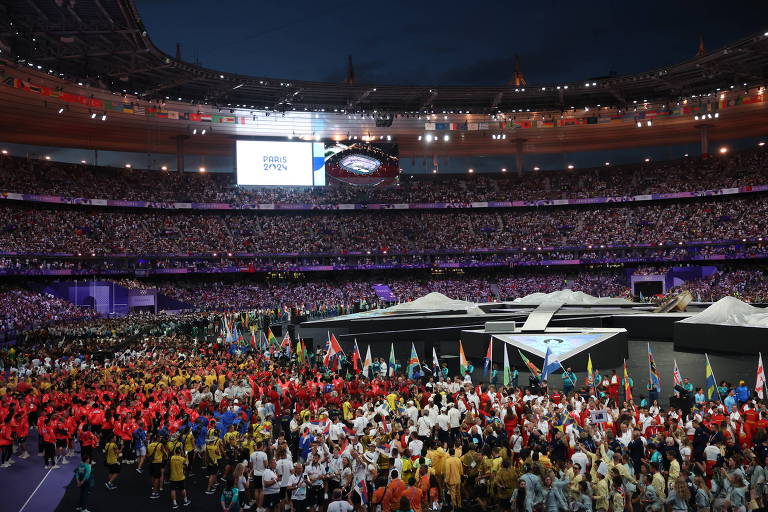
280 163
362 162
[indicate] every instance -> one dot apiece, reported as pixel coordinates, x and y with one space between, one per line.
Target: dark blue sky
445 41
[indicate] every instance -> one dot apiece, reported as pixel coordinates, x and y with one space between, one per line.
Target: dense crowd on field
186 414
41 230
85 181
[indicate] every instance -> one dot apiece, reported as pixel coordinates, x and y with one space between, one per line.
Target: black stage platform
631 323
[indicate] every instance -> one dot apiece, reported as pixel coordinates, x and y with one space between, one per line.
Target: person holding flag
414 366
569 381
654 381
392 365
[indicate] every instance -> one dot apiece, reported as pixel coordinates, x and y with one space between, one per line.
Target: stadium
366 290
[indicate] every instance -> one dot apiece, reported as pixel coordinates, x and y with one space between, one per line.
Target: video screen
362 162
265 163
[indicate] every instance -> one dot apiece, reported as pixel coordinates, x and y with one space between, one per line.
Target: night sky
445 42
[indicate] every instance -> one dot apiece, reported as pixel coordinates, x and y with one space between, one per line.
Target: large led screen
262 162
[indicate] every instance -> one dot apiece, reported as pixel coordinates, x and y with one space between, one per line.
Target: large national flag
653 372
391 365
551 364
356 358
286 344
435 360
590 373
488 358
271 339
333 349
676 376
463 364
414 366
627 387
367 363
760 380
709 383
507 373
300 351
531 367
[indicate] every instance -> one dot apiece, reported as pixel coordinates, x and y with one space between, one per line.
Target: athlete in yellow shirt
177 477
111 452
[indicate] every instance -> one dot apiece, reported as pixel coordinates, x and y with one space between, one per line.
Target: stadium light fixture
104 116
446 138
202 169
649 123
164 168
93 115
536 168
47 157
194 131
83 162
607 163
503 169
61 110
203 132
5 151
127 166
419 137
761 144
434 171
471 170
723 150
570 167
647 159
639 124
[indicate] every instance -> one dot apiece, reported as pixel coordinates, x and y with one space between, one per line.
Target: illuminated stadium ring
360 164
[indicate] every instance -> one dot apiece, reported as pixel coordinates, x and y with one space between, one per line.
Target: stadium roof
104 43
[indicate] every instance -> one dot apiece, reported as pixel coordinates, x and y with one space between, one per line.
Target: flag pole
650 373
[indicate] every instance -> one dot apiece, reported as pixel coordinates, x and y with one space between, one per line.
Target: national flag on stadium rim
488 358
333 349
551 364
356 358
391 363
677 378
590 374
760 379
507 372
367 362
653 373
362 490
627 387
463 363
531 367
709 383
271 337
414 366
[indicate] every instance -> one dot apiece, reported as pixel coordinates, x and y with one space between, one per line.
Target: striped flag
367 362
488 358
333 349
356 358
590 372
627 388
362 490
463 363
435 360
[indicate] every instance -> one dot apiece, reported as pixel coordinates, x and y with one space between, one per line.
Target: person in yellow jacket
454 469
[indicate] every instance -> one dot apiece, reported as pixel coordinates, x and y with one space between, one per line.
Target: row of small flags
161 113
415 370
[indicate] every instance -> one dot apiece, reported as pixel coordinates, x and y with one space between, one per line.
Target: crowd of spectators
84 181
24 309
44 230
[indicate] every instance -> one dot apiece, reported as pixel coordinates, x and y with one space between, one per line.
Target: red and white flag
676 375
760 380
333 349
